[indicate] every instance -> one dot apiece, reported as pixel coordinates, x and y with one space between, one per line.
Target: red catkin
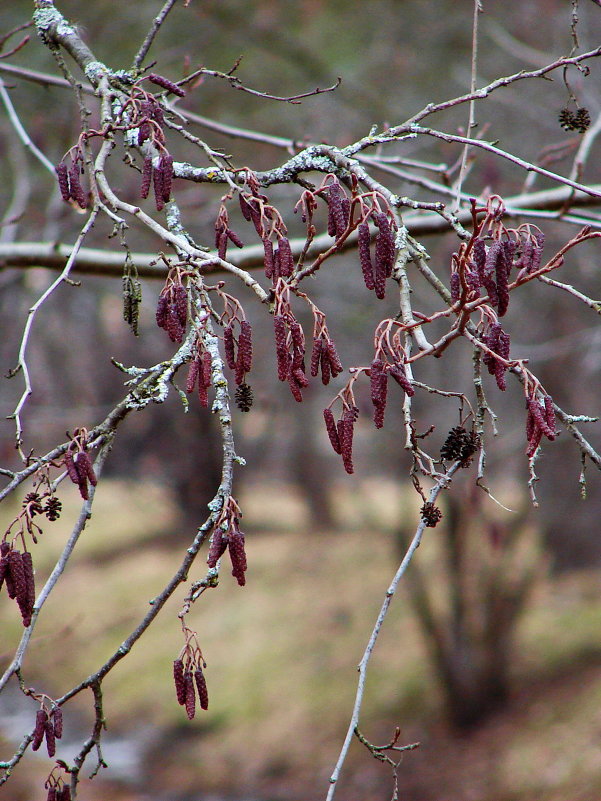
165 83
245 350
192 376
146 177
217 547
40 729
332 430
228 347
364 240
201 686
315 356
237 556
62 173
397 371
190 700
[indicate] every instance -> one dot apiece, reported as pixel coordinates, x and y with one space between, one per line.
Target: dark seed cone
165 83
460 445
50 738
201 686
430 514
363 242
244 397
57 721
178 678
245 348
237 556
566 119
332 430
62 173
146 177
397 371
582 120
228 347
216 548
192 376
190 701
315 356
41 719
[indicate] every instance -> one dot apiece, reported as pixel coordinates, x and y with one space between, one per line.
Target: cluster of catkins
16 571
199 375
69 180
172 311
48 727
341 433
238 354
80 470
189 679
227 536
278 261
324 358
377 271
59 792
160 175
378 378
290 353
540 421
224 234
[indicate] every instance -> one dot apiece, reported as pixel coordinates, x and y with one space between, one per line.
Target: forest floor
281 670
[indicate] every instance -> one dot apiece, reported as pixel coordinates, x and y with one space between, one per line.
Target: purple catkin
228 347
3 569
540 418
384 254
216 548
65 793
479 257
326 369
221 241
167 170
283 357
380 279
29 598
245 348
233 236
472 279
165 83
52 794
345 433
363 241
295 387
70 466
41 718
296 334
337 218
300 377
286 260
275 268
298 358
397 371
268 257
75 188
379 388
503 267
316 355
332 430
178 678
534 442
50 738
203 395
346 212
455 287
144 130
201 686
180 303
190 700
205 369
57 721
549 412
244 207
537 252
85 468
530 423
146 177
173 325
334 358
62 173
493 255
162 311
157 184
17 575
192 376
237 556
